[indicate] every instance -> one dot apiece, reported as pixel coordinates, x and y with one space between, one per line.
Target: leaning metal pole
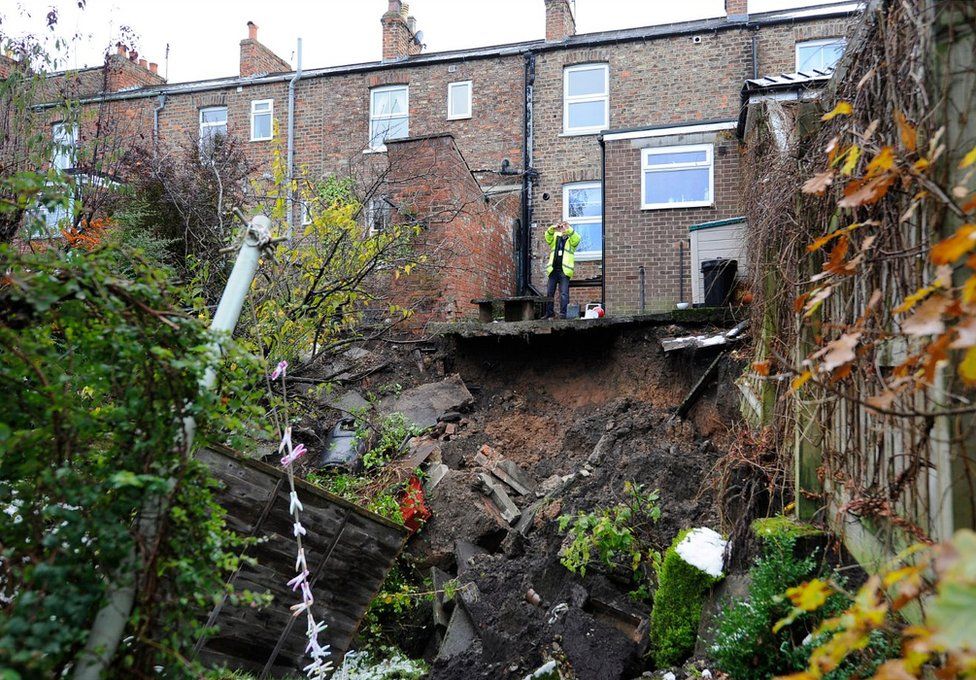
110 621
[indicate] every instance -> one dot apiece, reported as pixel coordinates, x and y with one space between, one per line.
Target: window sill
383 150
589 257
468 117
678 206
261 139
582 133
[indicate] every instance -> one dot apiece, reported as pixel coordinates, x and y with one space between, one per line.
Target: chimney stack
737 10
560 20
153 67
256 59
399 32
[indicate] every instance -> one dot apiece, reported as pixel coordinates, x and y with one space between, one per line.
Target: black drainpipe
603 224
524 274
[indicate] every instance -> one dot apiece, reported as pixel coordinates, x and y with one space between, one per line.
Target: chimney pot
120 48
133 55
144 63
252 30
153 67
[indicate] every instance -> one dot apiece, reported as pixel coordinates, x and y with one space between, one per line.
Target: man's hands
561 227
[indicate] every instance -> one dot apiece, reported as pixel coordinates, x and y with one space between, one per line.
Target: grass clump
783 525
677 608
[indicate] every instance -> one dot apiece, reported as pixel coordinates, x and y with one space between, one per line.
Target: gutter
290 201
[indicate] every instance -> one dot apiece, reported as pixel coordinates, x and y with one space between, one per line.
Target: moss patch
781 526
677 607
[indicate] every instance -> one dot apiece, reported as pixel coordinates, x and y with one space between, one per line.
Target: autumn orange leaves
933 326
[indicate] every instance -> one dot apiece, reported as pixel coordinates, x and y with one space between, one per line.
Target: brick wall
649 238
468 239
777 44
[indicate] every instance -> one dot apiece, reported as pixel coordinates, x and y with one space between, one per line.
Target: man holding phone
562 240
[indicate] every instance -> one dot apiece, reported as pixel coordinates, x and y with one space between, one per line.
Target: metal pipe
291 136
603 224
640 276
755 55
156 110
681 270
110 621
524 272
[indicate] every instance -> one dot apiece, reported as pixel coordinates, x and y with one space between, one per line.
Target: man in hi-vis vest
562 240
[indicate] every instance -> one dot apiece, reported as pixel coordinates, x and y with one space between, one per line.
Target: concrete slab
423 405
461 634
494 489
464 552
435 474
349 401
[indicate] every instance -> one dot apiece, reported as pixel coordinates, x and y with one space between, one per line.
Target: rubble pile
516 436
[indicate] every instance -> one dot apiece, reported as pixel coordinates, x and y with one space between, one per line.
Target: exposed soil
545 405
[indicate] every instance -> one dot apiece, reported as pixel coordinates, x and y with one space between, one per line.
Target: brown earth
545 404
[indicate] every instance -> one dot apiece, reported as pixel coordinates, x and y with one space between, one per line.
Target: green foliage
392 431
99 372
615 535
746 646
678 601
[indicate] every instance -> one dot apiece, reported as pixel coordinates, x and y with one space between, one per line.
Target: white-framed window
213 126
389 115
64 144
262 120
459 100
583 209
379 214
586 99
677 177
819 54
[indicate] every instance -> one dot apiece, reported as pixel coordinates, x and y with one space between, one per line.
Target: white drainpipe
291 135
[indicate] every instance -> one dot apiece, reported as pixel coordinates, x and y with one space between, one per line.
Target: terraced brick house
630 135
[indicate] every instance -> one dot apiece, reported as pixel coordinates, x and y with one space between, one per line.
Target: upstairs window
379 214
819 54
459 100
64 142
583 209
389 115
262 127
677 177
586 100
213 126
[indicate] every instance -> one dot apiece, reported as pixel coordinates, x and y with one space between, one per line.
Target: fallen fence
349 552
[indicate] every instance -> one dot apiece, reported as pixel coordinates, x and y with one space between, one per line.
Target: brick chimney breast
256 58
737 10
397 36
560 21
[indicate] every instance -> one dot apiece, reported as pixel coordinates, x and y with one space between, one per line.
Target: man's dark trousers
558 278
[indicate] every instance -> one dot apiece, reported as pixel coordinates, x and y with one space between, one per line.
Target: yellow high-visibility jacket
569 249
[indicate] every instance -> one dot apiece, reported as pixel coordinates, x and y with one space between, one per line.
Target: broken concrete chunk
512 474
527 521
464 552
461 634
602 449
508 510
439 578
435 474
420 450
359 354
349 401
550 485
424 405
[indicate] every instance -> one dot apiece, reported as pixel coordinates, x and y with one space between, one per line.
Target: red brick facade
657 76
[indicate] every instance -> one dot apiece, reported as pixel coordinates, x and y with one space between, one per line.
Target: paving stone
509 511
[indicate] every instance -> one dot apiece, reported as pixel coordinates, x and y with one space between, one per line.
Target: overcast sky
203 35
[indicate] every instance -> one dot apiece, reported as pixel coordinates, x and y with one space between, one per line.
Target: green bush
615 535
746 647
98 371
678 601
